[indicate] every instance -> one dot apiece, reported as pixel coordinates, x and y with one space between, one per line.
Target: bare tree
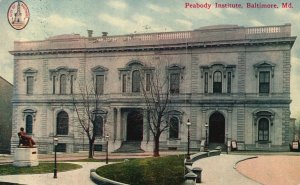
156 94
90 116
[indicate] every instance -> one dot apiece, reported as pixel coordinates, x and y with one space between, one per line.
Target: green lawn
41 168
149 171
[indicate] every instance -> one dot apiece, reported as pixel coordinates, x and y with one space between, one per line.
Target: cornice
161 47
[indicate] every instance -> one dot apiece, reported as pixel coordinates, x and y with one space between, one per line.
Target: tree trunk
156 146
91 148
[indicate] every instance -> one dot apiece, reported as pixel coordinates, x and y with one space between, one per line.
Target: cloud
187 24
136 23
233 11
158 8
256 23
59 21
117 4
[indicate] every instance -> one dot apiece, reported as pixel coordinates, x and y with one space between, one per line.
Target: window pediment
29 111
264 66
63 70
210 69
269 114
29 72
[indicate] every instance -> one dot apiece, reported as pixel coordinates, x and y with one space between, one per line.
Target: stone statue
24 139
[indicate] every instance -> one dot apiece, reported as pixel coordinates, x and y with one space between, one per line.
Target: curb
101 180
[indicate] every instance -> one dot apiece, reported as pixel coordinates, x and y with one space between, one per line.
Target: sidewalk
219 170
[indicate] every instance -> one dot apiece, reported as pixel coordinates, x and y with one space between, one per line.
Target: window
174 83
148 82
53 85
174 128
71 84
229 82
263 129
124 83
217 85
206 82
29 89
29 122
63 78
99 84
98 126
264 82
62 123
63 84
136 81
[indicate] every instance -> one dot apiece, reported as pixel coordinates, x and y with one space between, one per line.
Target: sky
118 17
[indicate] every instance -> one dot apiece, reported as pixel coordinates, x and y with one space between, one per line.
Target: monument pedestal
26 157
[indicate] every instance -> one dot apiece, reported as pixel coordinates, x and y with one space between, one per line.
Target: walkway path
80 176
219 170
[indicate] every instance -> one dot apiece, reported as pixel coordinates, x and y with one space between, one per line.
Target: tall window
263 129
174 128
206 82
29 121
29 89
136 81
264 82
71 84
148 82
124 83
53 85
63 84
62 123
217 86
174 83
229 82
98 126
99 84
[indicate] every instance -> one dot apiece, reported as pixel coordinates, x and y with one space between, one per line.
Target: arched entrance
135 126
217 128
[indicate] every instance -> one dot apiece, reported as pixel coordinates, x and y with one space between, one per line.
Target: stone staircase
213 146
130 147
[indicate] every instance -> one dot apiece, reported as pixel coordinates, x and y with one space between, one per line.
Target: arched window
174 128
63 84
217 86
136 81
29 122
263 129
62 123
98 126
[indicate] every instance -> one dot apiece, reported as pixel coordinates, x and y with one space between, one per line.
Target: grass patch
148 171
41 168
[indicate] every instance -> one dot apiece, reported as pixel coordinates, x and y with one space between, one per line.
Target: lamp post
188 149
206 136
107 138
55 142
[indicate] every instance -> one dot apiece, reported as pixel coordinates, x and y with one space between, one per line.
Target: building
236 79
6 92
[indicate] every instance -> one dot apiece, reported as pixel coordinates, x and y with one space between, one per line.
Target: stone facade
235 79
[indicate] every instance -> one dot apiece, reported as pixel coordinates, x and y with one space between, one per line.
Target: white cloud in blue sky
117 17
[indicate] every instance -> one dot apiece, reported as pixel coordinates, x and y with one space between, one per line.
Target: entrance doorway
135 126
217 128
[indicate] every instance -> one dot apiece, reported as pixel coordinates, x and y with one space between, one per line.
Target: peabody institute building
235 79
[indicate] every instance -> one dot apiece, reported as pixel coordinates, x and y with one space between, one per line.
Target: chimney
90 33
104 34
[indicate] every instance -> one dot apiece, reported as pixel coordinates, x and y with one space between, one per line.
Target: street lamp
55 142
107 138
188 149
206 135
